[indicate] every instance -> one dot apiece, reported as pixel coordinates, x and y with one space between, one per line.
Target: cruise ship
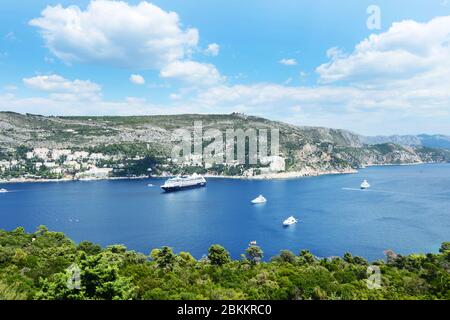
184 182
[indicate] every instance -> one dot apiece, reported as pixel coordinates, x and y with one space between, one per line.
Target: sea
407 210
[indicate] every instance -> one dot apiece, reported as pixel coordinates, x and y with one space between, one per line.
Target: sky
372 67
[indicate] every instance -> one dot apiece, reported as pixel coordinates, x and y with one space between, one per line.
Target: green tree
306 257
287 257
41 230
217 255
101 279
254 254
89 248
444 247
19 257
165 258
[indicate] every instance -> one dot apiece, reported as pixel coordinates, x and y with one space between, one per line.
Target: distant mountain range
425 140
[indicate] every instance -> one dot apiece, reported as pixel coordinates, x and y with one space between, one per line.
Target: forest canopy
48 265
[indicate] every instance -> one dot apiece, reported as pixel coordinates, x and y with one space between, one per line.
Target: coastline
286 175
27 180
270 176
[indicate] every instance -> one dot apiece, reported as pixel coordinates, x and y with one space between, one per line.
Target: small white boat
3 190
253 243
365 185
259 199
150 185
290 221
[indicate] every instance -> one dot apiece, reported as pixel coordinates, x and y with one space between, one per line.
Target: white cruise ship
184 182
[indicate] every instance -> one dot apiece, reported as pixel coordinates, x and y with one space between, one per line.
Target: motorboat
365 185
260 199
290 221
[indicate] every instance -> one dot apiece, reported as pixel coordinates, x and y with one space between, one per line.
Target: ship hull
181 188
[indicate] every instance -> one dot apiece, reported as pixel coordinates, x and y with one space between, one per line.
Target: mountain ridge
117 140
426 140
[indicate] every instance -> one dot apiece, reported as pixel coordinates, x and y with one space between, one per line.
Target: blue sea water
406 210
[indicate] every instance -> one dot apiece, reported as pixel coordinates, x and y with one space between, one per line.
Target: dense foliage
48 265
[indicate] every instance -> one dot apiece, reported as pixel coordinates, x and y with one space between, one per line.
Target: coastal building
50 164
94 173
77 155
276 163
72 164
57 153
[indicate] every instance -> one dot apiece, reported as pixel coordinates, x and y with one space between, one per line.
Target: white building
50 164
276 163
42 153
78 155
56 153
98 156
94 173
72 164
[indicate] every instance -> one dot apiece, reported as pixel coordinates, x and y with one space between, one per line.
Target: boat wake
378 191
8 191
395 192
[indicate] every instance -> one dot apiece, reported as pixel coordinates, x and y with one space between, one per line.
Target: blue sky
77 58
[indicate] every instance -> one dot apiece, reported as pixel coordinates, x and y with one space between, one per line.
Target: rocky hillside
309 150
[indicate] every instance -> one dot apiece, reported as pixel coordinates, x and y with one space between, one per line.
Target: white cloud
77 106
393 82
364 110
10 36
49 59
409 51
288 62
141 36
175 96
193 73
137 79
213 49
10 87
62 89
135 100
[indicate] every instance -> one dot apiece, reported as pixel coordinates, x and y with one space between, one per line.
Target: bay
407 209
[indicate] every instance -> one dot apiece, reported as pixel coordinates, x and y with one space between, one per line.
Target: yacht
289 221
3 190
259 199
365 185
184 182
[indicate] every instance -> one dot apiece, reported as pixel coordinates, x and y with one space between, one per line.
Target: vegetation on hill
44 265
135 144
